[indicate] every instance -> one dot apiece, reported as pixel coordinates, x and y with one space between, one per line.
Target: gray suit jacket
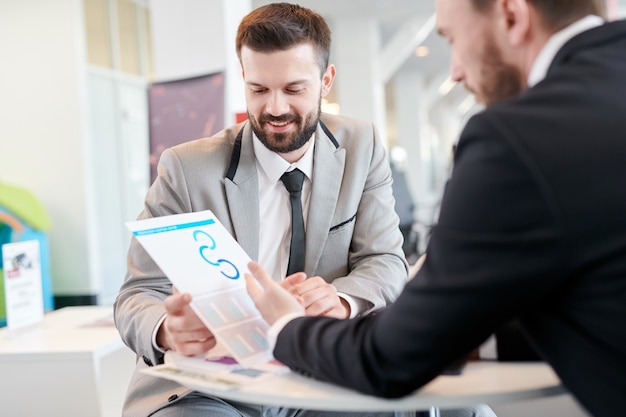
353 238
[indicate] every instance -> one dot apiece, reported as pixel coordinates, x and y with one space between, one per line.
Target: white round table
481 382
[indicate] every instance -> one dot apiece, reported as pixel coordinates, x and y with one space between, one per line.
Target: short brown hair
556 13
280 26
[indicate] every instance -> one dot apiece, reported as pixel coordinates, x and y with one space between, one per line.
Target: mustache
265 118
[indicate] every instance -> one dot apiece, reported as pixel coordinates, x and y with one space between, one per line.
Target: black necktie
293 182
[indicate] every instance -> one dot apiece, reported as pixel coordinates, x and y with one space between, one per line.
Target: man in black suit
532 224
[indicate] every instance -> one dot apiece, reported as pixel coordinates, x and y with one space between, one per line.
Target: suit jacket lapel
242 193
328 169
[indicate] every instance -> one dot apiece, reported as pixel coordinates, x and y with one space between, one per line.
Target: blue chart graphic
226 308
249 342
234 316
235 311
258 337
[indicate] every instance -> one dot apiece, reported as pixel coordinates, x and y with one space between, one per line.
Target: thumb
176 303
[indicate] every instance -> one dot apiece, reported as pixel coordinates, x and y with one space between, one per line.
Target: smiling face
283 94
477 59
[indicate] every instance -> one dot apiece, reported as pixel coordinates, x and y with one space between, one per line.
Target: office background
81 80
77 77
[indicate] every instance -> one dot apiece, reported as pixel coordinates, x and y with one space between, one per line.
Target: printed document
200 257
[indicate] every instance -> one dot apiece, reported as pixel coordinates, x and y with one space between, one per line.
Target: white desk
480 382
71 364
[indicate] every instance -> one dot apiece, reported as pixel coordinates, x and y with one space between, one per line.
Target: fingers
314 294
260 274
258 282
319 298
252 286
271 299
292 281
185 334
307 285
176 303
182 330
313 289
195 346
206 343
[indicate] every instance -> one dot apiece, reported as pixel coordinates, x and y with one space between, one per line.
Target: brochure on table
200 257
215 372
22 283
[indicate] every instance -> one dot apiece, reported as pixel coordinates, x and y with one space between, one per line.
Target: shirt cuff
489 349
352 302
277 327
154 335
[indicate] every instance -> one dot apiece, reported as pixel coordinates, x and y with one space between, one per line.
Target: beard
499 80
286 142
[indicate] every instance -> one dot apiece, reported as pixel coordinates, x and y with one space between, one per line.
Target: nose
277 104
456 70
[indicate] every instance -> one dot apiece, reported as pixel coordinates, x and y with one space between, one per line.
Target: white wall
187 38
359 86
117 175
197 37
76 137
41 124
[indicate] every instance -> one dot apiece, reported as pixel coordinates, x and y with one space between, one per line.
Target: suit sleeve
493 255
512 344
139 305
377 268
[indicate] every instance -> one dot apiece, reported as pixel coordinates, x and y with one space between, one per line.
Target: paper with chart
200 257
216 374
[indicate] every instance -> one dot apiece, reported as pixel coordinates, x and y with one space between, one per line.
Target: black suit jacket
532 226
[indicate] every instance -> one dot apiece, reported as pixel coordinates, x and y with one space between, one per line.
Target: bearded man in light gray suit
354 257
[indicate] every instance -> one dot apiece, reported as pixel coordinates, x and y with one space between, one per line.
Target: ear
515 16
327 79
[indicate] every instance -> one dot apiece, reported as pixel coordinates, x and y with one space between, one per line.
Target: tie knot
293 180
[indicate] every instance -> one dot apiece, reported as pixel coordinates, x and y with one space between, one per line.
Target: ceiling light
422 51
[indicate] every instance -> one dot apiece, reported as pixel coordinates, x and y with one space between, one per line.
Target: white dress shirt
275 210
540 67
275 205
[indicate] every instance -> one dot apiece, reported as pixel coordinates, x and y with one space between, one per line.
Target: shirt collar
555 43
275 166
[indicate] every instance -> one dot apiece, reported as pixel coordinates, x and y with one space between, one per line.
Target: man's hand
319 298
270 298
182 331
